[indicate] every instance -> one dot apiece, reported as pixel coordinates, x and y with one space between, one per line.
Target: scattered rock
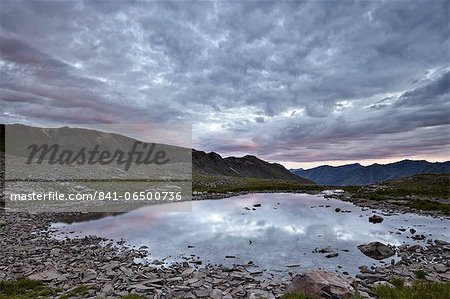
55 252
47 275
376 219
216 294
440 268
89 275
321 284
293 265
441 242
364 295
141 288
259 294
239 291
255 271
376 250
107 290
416 248
365 269
203 293
371 278
418 237
324 250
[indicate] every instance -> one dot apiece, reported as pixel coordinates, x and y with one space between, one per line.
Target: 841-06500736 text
99 195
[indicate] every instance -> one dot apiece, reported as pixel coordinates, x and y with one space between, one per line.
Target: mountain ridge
357 175
211 164
247 166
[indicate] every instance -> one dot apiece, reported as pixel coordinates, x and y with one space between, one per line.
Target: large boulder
376 250
321 284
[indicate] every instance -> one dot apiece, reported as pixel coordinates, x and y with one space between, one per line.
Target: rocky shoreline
111 270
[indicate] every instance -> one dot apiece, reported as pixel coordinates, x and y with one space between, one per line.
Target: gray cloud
433 93
289 81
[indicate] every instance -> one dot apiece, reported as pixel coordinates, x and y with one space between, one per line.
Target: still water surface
277 236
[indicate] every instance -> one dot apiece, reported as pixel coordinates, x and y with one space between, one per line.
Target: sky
300 83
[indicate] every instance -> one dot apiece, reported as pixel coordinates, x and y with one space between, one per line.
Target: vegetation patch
426 192
418 290
24 289
420 274
224 184
78 292
399 282
427 205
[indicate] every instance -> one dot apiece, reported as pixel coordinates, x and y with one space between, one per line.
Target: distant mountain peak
356 174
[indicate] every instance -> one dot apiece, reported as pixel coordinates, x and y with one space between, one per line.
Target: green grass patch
420 274
398 282
427 205
78 292
418 290
426 192
423 185
224 184
24 289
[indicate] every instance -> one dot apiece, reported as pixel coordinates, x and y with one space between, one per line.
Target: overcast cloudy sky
302 83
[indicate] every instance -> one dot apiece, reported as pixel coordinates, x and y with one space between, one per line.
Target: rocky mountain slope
19 137
356 174
203 164
247 166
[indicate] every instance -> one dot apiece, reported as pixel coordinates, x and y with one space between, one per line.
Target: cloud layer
288 81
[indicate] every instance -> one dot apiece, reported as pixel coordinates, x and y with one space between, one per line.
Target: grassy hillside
223 184
424 191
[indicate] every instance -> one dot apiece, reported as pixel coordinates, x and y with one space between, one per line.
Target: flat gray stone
47 275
